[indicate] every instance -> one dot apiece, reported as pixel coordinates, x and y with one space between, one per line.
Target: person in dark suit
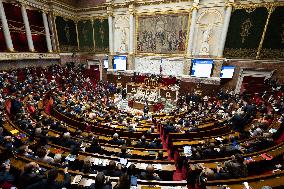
149 174
123 153
95 147
66 141
101 182
123 182
6 177
142 143
235 168
50 182
111 170
31 175
115 140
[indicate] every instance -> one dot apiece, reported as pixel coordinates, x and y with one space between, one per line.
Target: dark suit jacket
44 184
145 176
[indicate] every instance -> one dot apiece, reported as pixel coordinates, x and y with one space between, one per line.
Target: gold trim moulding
29 56
257 5
160 55
180 11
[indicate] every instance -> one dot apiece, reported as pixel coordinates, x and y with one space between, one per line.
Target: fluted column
131 37
110 24
225 28
47 33
192 27
5 28
27 28
51 21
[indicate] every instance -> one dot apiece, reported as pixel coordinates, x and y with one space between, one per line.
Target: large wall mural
86 37
67 35
162 34
273 45
101 35
245 31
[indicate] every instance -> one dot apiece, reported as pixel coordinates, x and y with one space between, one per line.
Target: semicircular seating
30 114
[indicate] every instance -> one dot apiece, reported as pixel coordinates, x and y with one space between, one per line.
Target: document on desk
70 157
89 182
187 150
158 166
76 179
96 161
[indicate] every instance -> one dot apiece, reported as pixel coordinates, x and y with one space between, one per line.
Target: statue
204 48
123 46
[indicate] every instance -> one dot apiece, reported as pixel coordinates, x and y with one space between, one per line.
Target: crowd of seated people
76 96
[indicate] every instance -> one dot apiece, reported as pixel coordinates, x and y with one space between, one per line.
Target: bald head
150 169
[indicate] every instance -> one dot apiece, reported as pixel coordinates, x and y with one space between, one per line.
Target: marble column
192 28
51 21
217 68
27 28
131 33
131 37
187 66
225 29
110 24
5 28
47 33
130 62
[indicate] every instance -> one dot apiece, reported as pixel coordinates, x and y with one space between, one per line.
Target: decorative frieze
28 56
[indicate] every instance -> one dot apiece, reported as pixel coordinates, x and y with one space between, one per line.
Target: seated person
149 174
160 155
156 144
142 143
111 170
51 182
151 130
101 182
6 178
31 175
66 140
88 168
25 151
235 168
123 153
42 155
95 147
123 182
115 140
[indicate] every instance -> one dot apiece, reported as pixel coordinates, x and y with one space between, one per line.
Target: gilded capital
230 3
131 9
109 11
194 7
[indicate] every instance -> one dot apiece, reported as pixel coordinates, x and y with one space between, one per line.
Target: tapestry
67 35
162 34
244 33
273 44
101 35
86 38
37 30
16 27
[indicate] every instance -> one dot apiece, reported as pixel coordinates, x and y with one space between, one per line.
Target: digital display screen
201 68
119 62
106 63
227 72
